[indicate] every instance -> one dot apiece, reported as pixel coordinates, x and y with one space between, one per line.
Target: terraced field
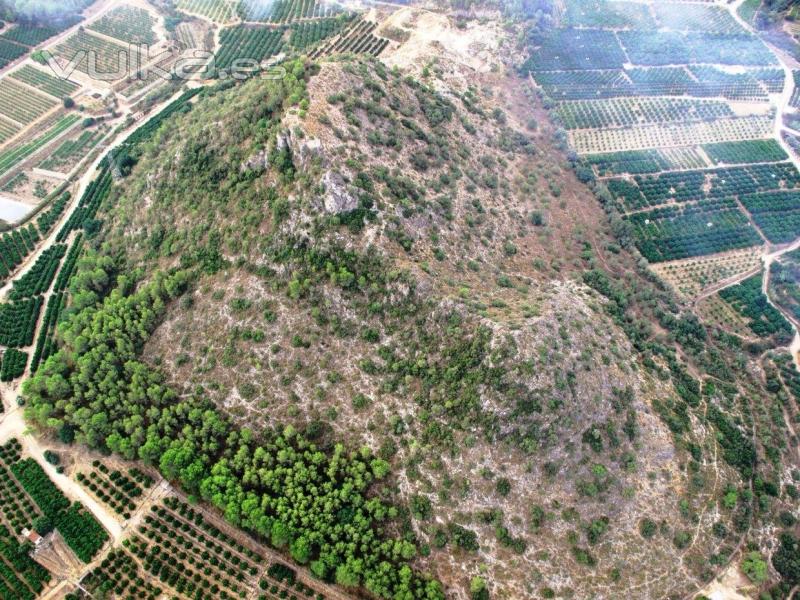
691 276
13 156
21 105
36 78
358 37
248 42
128 24
673 106
73 149
109 56
287 11
219 11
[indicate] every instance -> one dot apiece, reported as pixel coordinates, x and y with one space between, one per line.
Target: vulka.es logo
137 62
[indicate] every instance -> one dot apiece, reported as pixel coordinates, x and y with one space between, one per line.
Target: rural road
12 423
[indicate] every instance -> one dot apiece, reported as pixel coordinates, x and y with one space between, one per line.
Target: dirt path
12 423
13 426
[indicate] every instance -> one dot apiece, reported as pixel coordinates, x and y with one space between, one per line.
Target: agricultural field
192 34
45 82
18 322
37 279
748 151
694 17
73 149
45 344
718 313
110 57
80 530
32 35
309 33
661 48
637 162
246 42
20 576
118 574
590 49
356 38
128 24
643 191
621 112
10 51
287 11
777 214
22 105
783 283
15 246
592 141
578 85
681 231
691 276
219 11
8 129
122 492
17 510
608 15
13 156
763 320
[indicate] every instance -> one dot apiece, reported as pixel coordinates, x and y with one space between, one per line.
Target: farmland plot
246 42
662 81
681 231
576 50
73 150
110 58
80 530
54 86
637 162
219 11
287 11
695 17
762 319
632 161
118 573
310 33
579 85
771 79
794 101
748 151
21 105
20 576
128 24
689 277
123 492
10 51
777 214
357 38
715 311
8 129
13 156
608 14
161 535
660 48
683 186
660 136
631 111
29 35
735 86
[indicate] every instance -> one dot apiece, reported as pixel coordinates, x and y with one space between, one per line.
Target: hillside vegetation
377 317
